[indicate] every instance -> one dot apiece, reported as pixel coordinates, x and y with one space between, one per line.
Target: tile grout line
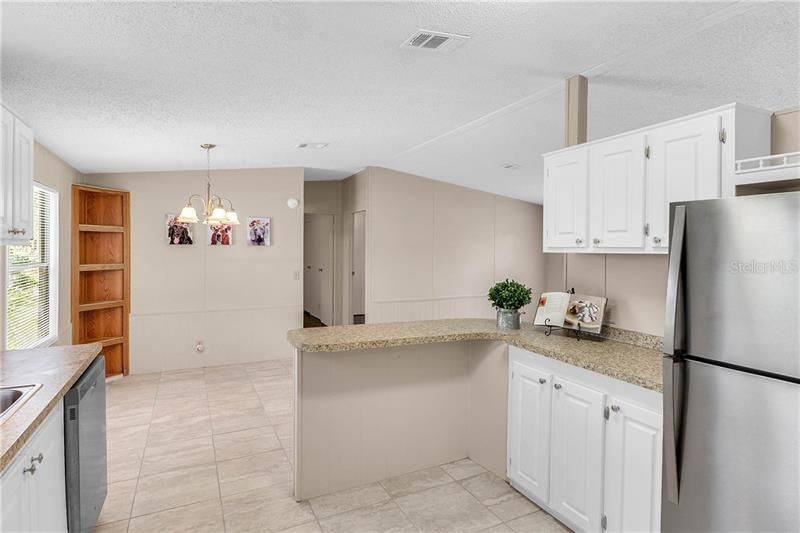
216 466
141 461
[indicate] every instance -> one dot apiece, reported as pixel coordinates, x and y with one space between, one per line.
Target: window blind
31 287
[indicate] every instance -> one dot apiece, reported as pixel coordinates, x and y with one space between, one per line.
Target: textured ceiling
137 86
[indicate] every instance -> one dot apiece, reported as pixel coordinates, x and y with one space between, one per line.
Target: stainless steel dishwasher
85 447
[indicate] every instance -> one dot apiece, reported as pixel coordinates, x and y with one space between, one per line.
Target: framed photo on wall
221 235
259 231
178 233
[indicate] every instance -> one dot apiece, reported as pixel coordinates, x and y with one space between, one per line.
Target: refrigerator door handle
673 390
673 329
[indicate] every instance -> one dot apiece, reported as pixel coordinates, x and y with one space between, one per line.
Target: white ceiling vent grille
435 40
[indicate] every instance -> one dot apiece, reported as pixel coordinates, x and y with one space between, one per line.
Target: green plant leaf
509 294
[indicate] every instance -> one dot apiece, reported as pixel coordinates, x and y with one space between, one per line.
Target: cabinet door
565 200
22 208
684 165
48 486
576 467
529 430
15 512
6 173
633 468
616 192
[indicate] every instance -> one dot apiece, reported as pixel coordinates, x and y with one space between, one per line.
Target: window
32 284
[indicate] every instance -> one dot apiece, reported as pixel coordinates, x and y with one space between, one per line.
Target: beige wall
635 286
239 300
786 131
434 249
354 197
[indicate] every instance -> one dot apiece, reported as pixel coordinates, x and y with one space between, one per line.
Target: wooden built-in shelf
101 266
101 273
101 228
100 305
107 341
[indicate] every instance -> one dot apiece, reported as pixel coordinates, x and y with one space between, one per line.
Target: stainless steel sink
12 397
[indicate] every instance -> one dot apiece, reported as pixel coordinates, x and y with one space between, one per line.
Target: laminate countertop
626 362
56 369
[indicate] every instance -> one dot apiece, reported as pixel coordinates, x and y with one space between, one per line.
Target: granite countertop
626 362
56 369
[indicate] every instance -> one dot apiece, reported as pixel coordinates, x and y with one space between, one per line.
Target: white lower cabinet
529 431
576 461
633 468
32 487
583 446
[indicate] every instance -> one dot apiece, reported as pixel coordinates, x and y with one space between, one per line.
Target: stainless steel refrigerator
732 366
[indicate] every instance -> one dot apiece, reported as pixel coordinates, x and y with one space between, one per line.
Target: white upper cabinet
631 178
576 468
616 187
684 164
529 429
632 468
16 181
565 212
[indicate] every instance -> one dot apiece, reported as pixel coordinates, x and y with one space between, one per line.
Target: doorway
318 279
358 267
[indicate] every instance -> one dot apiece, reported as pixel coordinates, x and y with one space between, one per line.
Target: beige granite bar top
626 362
56 369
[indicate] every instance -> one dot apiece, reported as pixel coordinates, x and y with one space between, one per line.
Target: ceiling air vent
435 40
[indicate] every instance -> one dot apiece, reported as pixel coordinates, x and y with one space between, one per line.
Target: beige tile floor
210 450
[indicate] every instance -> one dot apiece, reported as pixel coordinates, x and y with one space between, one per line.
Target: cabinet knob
319 269
578 241
615 408
657 240
38 458
596 241
542 381
557 386
30 470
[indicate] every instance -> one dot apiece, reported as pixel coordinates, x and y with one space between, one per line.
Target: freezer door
737 453
741 282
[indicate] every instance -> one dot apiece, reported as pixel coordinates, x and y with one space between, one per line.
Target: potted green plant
508 297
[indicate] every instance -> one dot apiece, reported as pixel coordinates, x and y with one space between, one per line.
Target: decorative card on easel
570 311
552 309
585 313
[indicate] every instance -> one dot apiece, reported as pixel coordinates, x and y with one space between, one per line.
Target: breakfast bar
379 400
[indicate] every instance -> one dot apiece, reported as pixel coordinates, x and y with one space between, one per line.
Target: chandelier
214 211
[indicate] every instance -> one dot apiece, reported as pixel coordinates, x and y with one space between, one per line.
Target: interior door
738 461
357 282
565 192
576 475
683 165
309 249
633 468
324 284
616 192
529 430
